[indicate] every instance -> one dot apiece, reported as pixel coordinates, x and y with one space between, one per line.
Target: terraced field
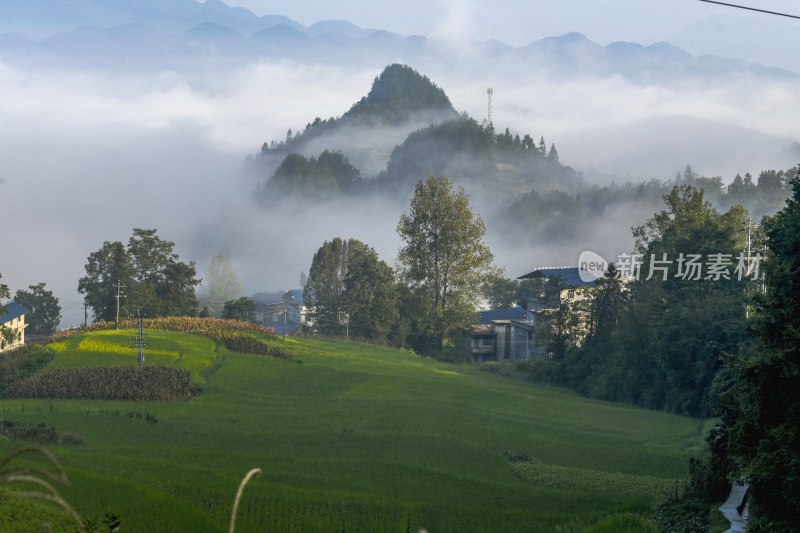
353 437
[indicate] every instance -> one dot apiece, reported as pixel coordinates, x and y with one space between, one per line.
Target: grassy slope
358 438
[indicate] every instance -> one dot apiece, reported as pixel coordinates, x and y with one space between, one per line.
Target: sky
519 22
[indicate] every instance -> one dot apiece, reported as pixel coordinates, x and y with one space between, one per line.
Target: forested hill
406 129
467 151
398 95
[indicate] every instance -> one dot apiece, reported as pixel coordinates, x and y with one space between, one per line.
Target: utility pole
489 93
119 295
138 341
85 314
749 267
285 311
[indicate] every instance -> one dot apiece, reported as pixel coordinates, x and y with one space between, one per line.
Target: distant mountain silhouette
181 34
42 18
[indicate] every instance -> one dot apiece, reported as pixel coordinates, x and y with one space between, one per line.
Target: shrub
71 439
109 383
247 344
681 515
22 363
40 433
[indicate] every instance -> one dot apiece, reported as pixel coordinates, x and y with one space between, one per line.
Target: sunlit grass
357 437
117 348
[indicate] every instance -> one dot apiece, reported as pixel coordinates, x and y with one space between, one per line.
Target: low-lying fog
86 156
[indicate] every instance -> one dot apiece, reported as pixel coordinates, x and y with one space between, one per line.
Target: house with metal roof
567 280
12 322
565 287
513 334
271 307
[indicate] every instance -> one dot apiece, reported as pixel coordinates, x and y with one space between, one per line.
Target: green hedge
109 383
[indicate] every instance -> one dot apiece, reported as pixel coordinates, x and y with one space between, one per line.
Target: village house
512 334
270 309
13 320
502 335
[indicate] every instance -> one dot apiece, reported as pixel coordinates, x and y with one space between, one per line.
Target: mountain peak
399 91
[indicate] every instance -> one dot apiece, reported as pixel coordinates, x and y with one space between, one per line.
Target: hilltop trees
398 92
149 276
44 313
444 256
329 174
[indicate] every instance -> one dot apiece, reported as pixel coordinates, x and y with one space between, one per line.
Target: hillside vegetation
353 437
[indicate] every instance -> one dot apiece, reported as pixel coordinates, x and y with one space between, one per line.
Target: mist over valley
112 134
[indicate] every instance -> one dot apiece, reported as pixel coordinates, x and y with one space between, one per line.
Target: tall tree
678 324
325 287
221 283
370 295
44 313
607 305
149 274
764 422
107 269
444 254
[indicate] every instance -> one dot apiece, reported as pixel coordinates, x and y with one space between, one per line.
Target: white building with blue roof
14 320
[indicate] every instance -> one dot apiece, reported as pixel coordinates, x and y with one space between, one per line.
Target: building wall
18 325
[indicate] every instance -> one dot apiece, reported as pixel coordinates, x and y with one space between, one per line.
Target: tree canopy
242 309
44 313
4 293
444 255
761 418
151 279
221 284
330 174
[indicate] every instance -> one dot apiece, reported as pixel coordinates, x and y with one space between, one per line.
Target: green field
353 437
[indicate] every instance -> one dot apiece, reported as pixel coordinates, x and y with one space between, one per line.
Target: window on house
571 294
486 342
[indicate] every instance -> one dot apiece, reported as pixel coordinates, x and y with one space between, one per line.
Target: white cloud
86 156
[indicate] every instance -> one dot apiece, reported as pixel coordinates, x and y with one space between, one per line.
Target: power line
752 9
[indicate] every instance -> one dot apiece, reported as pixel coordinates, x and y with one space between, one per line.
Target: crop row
247 344
109 383
215 328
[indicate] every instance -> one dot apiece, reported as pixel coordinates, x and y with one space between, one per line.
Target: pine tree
552 155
